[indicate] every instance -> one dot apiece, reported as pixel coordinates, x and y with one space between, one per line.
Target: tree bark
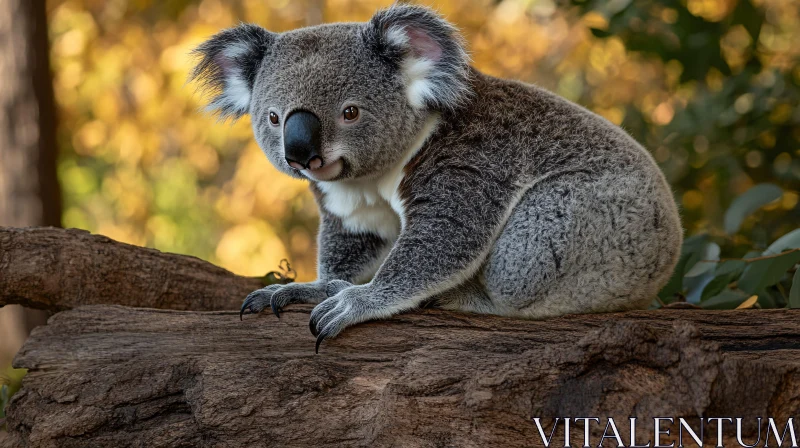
58 269
118 376
29 190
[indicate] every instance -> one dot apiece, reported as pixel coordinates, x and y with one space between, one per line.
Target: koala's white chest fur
364 206
374 205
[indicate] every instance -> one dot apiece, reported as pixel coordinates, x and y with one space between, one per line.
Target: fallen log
57 269
116 376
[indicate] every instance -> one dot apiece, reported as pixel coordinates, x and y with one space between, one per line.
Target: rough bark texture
117 376
58 269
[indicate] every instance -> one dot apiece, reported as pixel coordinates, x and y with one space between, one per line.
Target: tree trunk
29 190
117 376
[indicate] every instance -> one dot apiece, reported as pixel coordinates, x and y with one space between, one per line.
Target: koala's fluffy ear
427 49
227 67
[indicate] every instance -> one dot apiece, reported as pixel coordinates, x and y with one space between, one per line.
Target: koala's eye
273 118
350 113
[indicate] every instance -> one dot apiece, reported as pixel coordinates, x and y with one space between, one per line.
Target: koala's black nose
301 140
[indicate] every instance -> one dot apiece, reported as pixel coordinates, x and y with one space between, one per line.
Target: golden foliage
143 164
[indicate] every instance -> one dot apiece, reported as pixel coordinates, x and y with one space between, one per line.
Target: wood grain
116 376
58 269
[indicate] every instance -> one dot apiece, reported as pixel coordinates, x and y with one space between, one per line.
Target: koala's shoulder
512 114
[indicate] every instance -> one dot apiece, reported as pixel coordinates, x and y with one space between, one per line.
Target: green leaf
752 200
763 273
726 300
725 273
693 248
767 299
794 295
716 286
688 258
752 254
735 267
789 241
710 252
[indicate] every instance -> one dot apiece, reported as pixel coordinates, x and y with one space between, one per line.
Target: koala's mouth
327 171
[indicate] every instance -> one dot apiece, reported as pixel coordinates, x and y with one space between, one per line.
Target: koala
438 185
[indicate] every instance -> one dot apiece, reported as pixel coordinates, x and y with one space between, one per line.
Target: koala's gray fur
453 188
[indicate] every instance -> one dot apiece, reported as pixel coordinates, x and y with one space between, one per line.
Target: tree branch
58 269
117 377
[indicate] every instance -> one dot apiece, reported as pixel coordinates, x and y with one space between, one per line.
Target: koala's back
528 131
594 226
517 134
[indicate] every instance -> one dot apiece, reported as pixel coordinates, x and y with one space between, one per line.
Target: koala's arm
448 234
344 258
345 255
451 219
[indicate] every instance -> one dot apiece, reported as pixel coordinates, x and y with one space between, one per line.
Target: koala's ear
227 67
427 49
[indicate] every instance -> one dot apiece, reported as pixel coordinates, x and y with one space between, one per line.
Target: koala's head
342 100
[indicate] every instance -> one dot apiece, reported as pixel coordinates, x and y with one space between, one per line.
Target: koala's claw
333 288
250 304
349 307
278 296
258 300
276 310
325 334
328 324
246 307
320 338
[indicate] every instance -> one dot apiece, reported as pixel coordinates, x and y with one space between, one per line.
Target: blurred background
710 87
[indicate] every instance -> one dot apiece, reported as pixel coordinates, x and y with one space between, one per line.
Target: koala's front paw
278 296
349 306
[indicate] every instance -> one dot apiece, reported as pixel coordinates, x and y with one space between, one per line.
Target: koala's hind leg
576 244
469 296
